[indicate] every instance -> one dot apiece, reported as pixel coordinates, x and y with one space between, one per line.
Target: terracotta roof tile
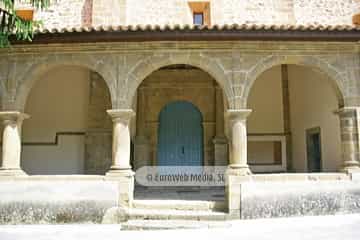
177 27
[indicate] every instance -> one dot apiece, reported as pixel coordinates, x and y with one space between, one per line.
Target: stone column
238 170
11 143
349 130
120 169
238 142
220 141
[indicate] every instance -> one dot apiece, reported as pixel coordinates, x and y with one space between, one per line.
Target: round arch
307 61
28 78
154 63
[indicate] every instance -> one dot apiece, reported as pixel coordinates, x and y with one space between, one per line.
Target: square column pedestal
238 170
120 171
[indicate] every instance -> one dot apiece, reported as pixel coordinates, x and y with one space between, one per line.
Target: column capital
121 114
13 116
237 114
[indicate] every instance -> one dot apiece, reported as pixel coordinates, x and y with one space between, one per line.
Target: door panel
180 140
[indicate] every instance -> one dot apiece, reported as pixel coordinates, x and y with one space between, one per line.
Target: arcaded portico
81 112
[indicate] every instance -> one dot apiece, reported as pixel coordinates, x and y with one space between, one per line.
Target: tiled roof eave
195 33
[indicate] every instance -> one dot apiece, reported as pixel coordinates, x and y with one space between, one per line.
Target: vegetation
11 24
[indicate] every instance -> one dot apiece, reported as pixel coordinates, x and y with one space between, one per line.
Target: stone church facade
268 89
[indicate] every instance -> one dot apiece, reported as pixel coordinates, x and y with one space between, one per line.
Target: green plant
11 24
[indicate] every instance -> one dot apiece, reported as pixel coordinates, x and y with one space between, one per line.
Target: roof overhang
196 33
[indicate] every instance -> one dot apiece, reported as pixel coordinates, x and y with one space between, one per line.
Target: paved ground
341 227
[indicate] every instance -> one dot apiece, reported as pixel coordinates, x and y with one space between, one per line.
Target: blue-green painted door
180 136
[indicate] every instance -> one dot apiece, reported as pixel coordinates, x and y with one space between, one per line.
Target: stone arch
307 61
155 62
27 79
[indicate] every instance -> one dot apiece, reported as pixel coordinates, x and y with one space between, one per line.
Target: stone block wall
66 13
252 11
111 13
325 12
98 136
61 13
158 12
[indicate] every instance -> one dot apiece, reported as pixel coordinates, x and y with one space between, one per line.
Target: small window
200 12
199 18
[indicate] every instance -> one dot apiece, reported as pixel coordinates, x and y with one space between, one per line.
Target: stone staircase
177 208
136 225
175 214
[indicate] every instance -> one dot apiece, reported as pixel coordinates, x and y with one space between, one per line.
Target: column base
11 172
238 170
125 179
351 167
120 172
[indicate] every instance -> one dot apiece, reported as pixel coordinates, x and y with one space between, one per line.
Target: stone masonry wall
252 11
325 12
111 13
158 12
61 13
75 13
98 137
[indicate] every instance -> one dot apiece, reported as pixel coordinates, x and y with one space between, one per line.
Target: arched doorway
180 137
179 115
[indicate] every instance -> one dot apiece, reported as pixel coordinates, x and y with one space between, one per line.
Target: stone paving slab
134 225
155 214
345 227
180 204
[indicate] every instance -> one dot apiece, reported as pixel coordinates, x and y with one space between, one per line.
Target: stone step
156 214
134 225
180 205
